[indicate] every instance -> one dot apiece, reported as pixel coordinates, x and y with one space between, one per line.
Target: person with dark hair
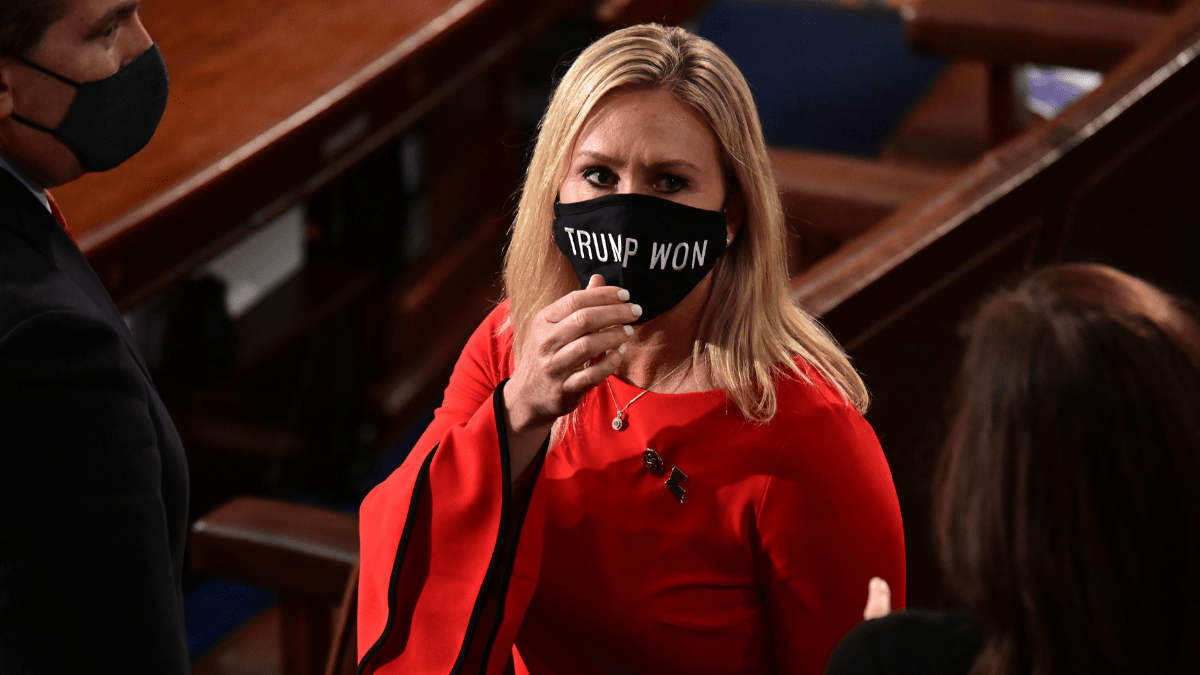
1067 498
93 479
22 23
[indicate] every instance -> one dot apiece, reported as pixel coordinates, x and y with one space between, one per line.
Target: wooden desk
271 100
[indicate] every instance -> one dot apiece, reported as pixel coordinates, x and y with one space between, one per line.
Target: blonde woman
648 458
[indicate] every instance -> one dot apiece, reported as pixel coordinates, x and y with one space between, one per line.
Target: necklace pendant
617 424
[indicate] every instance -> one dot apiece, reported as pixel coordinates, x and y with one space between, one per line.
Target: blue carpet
824 78
216 607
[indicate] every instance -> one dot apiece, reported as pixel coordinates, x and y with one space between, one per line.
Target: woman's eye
598 177
671 183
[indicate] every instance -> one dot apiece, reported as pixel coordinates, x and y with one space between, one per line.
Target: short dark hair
22 23
1067 498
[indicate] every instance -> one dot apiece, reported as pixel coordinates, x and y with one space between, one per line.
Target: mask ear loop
45 71
30 123
724 205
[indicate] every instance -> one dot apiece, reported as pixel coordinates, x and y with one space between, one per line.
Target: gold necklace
618 422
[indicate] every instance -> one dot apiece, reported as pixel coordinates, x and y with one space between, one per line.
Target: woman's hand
879 599
573 345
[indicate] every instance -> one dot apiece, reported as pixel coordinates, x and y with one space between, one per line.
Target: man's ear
6 96
735 213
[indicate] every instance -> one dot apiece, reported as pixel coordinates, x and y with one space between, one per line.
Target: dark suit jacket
93 479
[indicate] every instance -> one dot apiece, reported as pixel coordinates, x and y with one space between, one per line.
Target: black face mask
110 120
654 248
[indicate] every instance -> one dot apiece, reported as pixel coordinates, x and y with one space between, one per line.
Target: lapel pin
674 483
653 461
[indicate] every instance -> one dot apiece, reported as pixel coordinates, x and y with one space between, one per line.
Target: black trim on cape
500 565
506 576
498 551
422 476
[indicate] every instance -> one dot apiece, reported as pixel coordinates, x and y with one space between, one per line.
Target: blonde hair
753 336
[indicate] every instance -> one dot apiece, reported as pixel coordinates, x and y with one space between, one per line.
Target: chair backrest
306 554
1110 180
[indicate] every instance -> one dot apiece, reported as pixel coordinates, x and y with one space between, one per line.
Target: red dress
600 568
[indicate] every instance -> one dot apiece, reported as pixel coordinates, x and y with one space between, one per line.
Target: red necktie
54 211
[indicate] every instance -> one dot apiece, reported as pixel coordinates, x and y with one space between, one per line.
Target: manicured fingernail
621 349
628 331
637 310
623 295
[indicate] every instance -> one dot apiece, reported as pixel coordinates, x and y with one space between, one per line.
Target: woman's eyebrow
602 158
674 164
656 166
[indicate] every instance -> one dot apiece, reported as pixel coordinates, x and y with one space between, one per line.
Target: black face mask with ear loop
111 119
656 249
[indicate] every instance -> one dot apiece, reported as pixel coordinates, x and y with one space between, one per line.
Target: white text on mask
598 247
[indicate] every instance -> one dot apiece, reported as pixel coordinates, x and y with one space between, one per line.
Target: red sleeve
448 566
829 521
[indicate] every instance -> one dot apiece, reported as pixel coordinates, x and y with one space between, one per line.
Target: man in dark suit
93 479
